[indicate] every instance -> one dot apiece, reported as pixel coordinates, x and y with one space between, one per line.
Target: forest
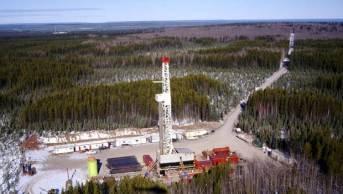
127 185
312 122
50 82
254 177
127 104
305 105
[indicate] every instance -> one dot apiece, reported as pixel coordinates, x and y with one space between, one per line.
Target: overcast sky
52 11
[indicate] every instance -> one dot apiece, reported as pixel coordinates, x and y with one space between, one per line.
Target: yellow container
92 167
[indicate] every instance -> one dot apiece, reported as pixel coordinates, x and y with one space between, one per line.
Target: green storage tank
92 167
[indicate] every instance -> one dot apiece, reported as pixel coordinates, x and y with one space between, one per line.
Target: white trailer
153 138
195 134
82 146
100 144
131 140
63 149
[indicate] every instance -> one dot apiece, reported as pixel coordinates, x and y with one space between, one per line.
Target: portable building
148 161
63 149
129 140
153 138
99 145
82 146
195 134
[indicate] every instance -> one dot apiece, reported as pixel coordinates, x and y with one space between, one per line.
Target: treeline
31 75
322 55
33 70
27 64
311 122
324 45
236 46
157 43
126 185
124 104
331 84
8 102
327 61
259 177
252 58
254 177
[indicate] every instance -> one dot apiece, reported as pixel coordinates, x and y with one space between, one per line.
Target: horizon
106 11
228 21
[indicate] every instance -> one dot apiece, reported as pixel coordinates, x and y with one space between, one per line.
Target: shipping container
221 154
221 149
218 160
233 158
148 161
203 165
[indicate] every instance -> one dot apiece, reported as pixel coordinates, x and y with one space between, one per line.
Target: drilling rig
168 157
286 61
291 43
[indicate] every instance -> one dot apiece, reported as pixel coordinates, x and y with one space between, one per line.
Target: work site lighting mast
165 113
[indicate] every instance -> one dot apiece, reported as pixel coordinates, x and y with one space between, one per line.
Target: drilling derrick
168 157
165 113
291 43
291 40
286 61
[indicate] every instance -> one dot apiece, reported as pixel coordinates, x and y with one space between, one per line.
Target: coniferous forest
124 104
301 115
306 106
80 83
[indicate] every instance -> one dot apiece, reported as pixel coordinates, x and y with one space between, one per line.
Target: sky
66 11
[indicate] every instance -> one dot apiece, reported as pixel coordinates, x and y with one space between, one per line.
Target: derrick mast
291 43
291 40
165 113
169 157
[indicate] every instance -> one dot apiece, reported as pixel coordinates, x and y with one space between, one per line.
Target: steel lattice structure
291 40
165 113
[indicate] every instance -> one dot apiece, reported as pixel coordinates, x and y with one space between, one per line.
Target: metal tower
291 40
165 113
291 43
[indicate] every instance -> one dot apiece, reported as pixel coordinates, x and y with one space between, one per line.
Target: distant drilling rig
168 156
291 43
286 61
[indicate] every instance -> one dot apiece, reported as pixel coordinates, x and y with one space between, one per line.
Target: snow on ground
57 180
46 179
37 155
78 156
10 164
73 137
